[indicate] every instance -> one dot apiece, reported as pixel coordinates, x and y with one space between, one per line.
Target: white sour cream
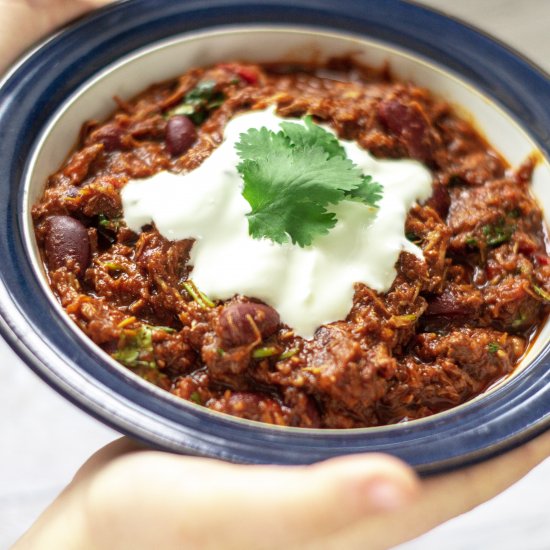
308 286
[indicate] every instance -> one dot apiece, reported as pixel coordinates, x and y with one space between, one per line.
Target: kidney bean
409 123
66 239
239 323
180 134
113 136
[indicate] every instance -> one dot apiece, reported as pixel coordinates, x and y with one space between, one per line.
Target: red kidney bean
111 135
239 323
409 123
66 239
180 134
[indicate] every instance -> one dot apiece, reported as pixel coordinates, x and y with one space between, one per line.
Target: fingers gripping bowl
482 427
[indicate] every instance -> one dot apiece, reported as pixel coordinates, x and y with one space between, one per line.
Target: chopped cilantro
110 224
204 90
199 101
542 293
519 320
113 266
498 233
268 351
492 347
290 178
272 351
135 347
471 241
289 353
103 221
202 299
195 397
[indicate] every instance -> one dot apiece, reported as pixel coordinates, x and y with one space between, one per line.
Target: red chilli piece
248 75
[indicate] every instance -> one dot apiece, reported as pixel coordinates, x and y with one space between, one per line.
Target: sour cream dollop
308 286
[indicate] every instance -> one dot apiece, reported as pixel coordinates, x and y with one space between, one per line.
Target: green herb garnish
272 351
290 178
110 224
289 353
498 233
202 299
267 351
198 102
492 347
542 293
135 348
471 241
113 266
195 397
519 321
103 220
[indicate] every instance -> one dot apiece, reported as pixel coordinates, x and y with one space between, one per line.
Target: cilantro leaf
493 347
204 90
313 135
290 178
289 191
369 192
302 222
135 348
199 101
498 233
255 144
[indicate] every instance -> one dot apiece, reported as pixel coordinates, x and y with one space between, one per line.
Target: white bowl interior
168 59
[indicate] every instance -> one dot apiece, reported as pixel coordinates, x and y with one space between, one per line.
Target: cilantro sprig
292 176
199 101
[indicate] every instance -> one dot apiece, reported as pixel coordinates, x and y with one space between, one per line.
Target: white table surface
44 438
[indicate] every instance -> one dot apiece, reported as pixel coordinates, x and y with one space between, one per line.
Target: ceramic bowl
121 50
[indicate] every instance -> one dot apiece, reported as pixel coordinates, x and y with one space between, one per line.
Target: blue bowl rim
45 78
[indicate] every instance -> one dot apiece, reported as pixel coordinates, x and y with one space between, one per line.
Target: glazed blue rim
32 92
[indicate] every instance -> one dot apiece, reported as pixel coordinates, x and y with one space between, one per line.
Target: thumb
204 503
